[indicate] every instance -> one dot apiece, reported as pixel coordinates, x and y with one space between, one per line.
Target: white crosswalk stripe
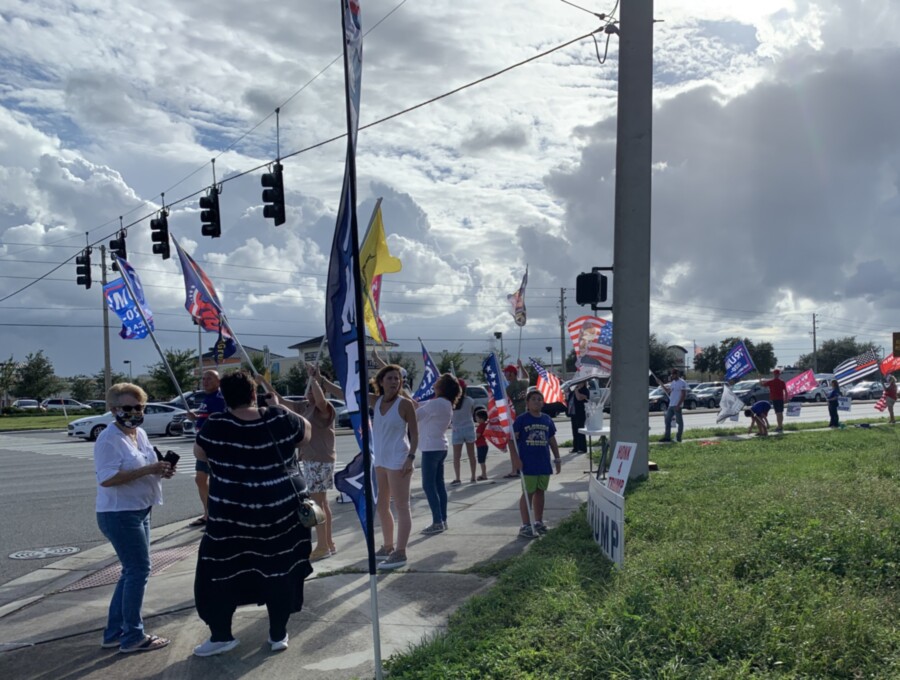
70 447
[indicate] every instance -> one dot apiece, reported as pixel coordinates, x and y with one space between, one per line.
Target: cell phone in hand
171 458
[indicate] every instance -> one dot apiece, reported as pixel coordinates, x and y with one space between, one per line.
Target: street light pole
130 377
549 348
499 336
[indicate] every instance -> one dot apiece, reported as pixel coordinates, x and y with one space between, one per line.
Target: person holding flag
890 396
213 402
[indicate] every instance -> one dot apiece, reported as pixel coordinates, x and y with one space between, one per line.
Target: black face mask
131 420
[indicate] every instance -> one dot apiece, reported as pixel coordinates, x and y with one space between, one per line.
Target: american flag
548 384
592 339
857 367
881 404
497 430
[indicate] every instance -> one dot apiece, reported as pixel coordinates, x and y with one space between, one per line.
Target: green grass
39 422
776 558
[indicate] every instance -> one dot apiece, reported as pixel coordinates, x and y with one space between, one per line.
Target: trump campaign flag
429 378
119 300
799 384
517 301
350 481
375 259
201 300
738 362
499 422
548 384
730 406
857 367
890 364
592 340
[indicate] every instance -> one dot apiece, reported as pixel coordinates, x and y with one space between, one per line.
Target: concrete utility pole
631 254
107 369
815 360
562 333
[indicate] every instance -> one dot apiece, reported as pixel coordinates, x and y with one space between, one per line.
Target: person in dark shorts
777 395
759 416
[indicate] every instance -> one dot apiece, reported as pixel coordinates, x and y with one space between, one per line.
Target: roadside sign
843 403
792 409
896 344
620 466
606 515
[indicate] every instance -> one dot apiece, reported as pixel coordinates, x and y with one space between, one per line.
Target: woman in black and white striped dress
255 550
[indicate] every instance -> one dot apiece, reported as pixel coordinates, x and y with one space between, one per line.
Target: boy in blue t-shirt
535 438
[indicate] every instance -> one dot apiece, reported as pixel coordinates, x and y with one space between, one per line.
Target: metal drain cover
44 553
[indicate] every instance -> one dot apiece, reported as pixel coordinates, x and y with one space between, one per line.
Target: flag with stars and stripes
499 422
548 384
592 338
857 367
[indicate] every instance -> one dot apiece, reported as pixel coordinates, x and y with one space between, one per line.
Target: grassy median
774 558
9 423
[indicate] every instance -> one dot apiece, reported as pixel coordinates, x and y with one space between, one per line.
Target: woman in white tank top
395 437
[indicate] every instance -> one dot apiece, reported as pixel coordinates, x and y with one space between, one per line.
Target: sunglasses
127 408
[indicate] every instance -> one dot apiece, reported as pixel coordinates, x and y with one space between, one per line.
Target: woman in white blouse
128 486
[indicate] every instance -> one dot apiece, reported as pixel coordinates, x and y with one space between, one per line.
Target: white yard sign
606 515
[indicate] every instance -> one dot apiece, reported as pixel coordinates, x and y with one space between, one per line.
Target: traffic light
159 234
274 195
209 215
117 248
590 289
83 268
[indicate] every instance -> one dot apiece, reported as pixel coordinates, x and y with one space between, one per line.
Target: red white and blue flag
592 339
426 387
517 301
548 384
499 422
857 367
202 302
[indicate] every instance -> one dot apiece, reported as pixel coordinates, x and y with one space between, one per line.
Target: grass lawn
41 422
763 558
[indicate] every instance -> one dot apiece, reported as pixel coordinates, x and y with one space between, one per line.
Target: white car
28 405
160 419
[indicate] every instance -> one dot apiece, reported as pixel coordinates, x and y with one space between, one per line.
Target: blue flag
738 362
120 301
343 295
426 387
351 481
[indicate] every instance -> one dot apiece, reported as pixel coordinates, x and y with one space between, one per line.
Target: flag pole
365 435
224 322
127 281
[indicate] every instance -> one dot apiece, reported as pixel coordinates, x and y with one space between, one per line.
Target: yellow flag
375 259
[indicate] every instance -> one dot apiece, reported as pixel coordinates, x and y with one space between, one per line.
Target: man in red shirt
777 395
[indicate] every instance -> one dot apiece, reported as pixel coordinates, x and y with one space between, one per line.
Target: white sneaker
210 648
280 645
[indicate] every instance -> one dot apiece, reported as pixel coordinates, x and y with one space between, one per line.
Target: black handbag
308 511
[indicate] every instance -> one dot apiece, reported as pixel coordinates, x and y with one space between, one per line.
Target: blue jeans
676 413
129 533
433 484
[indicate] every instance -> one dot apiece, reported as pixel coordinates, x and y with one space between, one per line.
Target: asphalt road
48 488
47 484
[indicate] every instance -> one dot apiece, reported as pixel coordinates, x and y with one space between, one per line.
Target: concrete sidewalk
51 620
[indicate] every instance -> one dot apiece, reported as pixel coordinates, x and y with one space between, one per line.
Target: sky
776 153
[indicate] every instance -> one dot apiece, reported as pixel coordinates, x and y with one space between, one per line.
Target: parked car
867 389
751 391
479 395
64 404
97 404
819 392
659 400
709 394
28 405
159 419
